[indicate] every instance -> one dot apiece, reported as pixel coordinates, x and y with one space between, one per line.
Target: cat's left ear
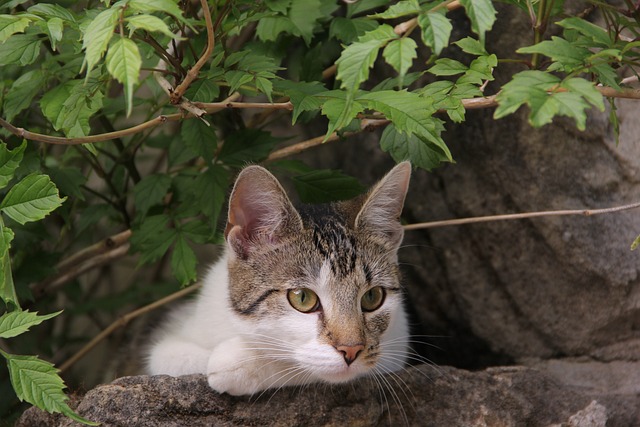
380 213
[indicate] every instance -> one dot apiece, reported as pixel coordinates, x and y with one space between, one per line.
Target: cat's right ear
260 213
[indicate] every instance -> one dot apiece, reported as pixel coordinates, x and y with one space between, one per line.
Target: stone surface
420 396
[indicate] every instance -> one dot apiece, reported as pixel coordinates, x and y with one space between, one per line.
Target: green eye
303 300
372 299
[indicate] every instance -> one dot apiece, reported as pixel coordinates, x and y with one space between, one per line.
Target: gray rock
420 396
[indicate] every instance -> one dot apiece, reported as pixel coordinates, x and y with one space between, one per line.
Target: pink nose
350 352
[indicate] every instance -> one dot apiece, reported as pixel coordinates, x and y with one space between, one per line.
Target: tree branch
192 74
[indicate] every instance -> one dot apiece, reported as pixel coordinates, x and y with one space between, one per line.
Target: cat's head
319 286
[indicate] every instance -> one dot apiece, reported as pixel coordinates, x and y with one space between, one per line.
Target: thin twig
490 218
228 104
123 321
192 74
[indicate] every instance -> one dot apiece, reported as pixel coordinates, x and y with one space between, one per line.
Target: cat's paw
230 368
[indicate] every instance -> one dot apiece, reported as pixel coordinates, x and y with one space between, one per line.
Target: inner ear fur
382 207
259 211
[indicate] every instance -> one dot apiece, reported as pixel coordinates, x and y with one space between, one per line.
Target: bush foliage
138 113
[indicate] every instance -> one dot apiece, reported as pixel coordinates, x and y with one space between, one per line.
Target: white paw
230 368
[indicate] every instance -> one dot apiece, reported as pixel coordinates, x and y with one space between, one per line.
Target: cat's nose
350 352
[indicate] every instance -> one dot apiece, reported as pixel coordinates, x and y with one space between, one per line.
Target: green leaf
55 28
37 382
200 138
568 57
322 186
347 30
523 86
7 288
303 16
21 49
70 106
31 199
18 322
400 54
150 191
596 34
210 191
202 90
635 243
69 181
398 10
471 46
97 36
301 96
12 24
436 30
410 113
447 67
183 261
356 60
246 146
480 70
22 92
482 15
153 238
149 23
340 113
167 6
123 63
49 10
402 147
9 161
586 89
270 27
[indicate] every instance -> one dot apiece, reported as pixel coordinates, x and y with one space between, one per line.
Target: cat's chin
341 375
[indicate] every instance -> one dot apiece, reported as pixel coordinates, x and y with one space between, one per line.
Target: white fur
240 356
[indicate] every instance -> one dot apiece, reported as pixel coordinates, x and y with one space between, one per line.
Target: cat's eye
303 300
372 299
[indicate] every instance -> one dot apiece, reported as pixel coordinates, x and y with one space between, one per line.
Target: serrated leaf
436 30
37 382
398 10
482 15
265 86
448 67
567 56
209 192
97 36
301 96
202 90
402 147
347 30
21 49
480 70
237 78
270 27
69 181
598 35
167 6
123 63
322 186
400 54
7 288
303 16
31 199
49 10
149 23
471 46
356 59
340 113
183 261
12 24
9 161
410 113
22 92
150 191
18 322
586 89
70 106
200 138
153 238
635 243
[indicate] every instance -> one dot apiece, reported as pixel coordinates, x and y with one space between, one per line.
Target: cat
300 296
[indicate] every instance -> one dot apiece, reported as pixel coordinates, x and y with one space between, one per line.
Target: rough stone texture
508 396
